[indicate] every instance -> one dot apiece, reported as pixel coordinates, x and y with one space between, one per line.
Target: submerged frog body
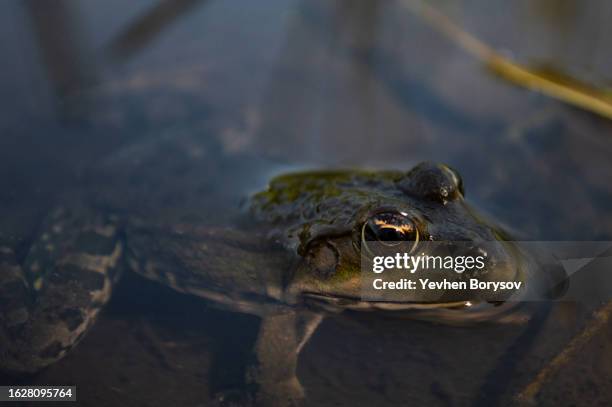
294 255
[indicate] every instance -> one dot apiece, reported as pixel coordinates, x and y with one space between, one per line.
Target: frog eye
390 229
436 182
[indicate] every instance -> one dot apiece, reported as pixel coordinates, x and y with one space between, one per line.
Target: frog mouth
458 313
358 303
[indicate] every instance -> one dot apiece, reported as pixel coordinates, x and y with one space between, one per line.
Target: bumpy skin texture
301 238
319 215
52 298
302 207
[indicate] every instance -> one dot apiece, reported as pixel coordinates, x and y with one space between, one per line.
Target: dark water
308 84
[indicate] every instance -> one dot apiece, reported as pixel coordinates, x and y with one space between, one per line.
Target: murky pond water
92 90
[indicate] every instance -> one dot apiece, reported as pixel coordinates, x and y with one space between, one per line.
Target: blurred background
316 83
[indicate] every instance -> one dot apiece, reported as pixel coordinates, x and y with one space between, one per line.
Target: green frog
290 254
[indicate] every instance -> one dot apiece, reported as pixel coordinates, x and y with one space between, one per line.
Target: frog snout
500 262
492 260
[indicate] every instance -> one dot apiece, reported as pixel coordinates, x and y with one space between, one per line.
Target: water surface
300 84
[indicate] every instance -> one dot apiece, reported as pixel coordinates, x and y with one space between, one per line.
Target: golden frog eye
390 229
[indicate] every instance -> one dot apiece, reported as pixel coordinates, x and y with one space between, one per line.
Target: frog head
329 218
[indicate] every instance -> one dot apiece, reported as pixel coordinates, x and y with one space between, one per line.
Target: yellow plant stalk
555 85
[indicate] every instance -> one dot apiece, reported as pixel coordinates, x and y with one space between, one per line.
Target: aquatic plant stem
565 89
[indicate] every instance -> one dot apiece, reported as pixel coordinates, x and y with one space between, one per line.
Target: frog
289 254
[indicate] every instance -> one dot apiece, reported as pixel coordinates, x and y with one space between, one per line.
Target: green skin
296 258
